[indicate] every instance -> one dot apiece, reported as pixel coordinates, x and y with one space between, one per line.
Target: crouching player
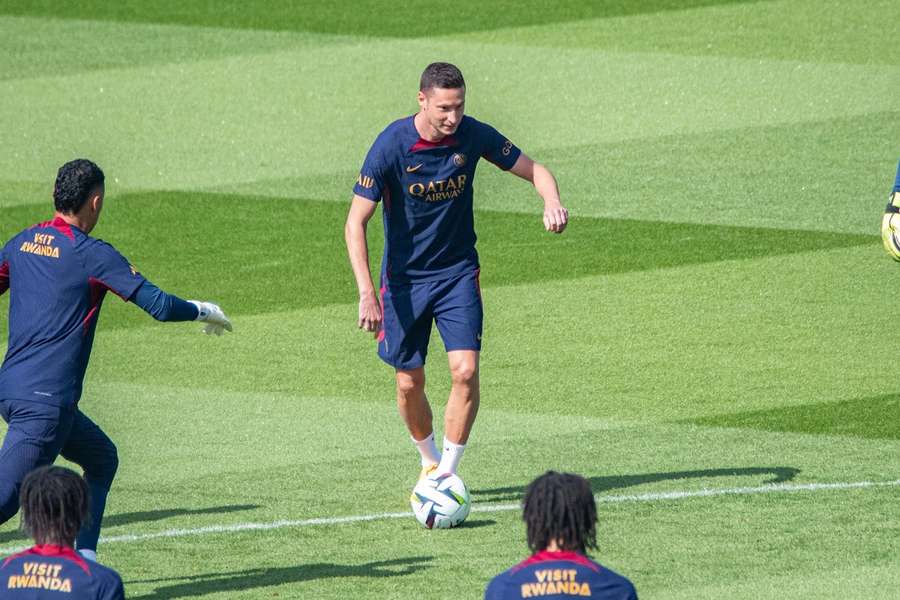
57 276
560 518
890 224
54 508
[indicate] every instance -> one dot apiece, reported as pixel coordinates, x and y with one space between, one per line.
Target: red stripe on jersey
51 551
448 140
98 290
4 277
59 224
547 556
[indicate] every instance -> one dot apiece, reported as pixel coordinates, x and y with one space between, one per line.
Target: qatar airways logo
442 189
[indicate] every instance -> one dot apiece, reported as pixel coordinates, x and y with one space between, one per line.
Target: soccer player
890 224
422 168
560 519
54 508
57 277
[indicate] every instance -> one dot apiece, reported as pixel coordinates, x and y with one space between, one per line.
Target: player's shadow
476 523
146 516
240 581
617 482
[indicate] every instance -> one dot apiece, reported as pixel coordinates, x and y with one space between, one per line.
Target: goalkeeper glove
212 315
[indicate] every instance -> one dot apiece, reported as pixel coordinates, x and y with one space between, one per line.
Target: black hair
560 507
54 504
75 181
441 75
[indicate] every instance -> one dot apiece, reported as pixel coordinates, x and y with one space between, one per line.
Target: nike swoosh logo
415 168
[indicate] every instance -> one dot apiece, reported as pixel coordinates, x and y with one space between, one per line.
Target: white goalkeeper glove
212 315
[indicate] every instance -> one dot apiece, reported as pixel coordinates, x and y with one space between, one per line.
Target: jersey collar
53 551
563 555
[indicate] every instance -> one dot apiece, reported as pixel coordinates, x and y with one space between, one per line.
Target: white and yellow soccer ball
440 501
890 228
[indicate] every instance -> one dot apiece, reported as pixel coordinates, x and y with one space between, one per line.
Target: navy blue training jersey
57 277
56 572
429 227
559 575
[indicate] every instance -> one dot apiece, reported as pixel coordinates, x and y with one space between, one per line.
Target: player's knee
464 372
410 382
102 469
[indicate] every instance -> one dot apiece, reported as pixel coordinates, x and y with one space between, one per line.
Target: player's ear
96 199
421 97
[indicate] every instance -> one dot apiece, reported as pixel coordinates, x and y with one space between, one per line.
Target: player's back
57 572
57 278
551 575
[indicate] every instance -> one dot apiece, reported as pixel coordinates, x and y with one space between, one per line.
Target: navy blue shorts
409 310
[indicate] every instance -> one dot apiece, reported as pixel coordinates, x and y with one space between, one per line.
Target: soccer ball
440 501
890 231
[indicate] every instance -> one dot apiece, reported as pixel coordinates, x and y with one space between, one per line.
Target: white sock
91 555
451 457
427 450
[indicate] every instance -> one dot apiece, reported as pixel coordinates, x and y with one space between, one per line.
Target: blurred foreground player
54 508
560 516
57 277
890 224
422 169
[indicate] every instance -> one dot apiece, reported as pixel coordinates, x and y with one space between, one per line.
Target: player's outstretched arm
167 307
361 210
556 217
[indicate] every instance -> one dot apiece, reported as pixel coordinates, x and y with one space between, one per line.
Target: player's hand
556 217
369 312
216 321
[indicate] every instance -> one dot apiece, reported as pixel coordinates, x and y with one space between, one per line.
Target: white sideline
648 497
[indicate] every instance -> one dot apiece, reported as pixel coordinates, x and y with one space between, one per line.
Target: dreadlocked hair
54 504
560 507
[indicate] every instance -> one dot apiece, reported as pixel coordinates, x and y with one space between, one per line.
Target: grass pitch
716 318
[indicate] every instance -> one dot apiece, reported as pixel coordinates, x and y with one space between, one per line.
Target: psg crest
459 159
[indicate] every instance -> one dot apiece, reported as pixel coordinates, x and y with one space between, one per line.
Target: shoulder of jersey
468 122
393 130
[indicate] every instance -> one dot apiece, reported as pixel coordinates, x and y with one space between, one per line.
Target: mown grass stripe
648 497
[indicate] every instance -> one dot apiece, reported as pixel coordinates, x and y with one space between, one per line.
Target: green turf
275 231
376 18
865 417
806 30
47 47
716 319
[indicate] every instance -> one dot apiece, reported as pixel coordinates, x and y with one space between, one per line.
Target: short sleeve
496 148
113 270
370 183
112 587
